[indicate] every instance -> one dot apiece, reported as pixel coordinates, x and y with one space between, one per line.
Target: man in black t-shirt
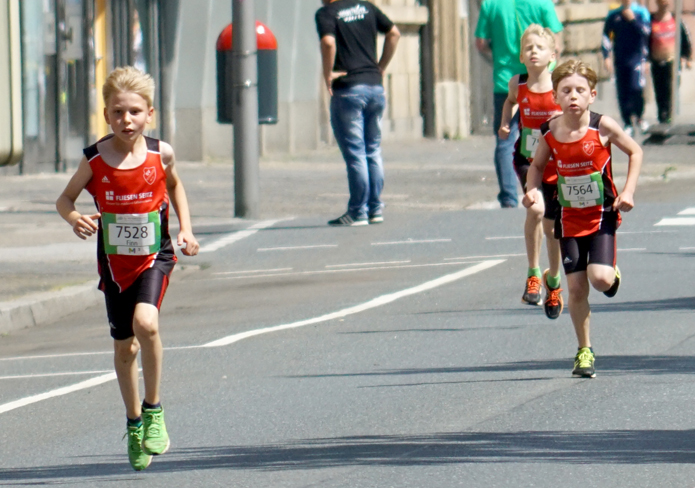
348 31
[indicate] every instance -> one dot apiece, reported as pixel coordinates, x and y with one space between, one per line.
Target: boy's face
574 94
535 52
128 114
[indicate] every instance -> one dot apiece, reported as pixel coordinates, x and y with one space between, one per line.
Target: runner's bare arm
509 108
534 177
82 225
613 133
177 195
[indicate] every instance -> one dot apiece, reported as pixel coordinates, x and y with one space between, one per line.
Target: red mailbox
267 76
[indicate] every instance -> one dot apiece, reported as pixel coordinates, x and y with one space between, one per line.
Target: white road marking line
347 270
376 302
410 241
686 248
676 221
365 264
503 237
253 271
52 356
687 211
629 249
236 236
486 257
292 248
48 375
646 232
58 392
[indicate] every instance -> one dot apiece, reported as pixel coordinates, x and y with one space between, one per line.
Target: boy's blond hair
571 67
540 31
128 79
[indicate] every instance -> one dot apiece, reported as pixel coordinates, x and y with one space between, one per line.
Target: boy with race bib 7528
132 180
580 143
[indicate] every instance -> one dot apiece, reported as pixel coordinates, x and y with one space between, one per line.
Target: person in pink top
662 54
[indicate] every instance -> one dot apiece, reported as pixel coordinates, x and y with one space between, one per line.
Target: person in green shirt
498 37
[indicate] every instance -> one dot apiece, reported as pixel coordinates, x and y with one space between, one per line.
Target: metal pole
675 105
245 110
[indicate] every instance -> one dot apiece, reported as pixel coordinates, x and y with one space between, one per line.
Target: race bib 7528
131 234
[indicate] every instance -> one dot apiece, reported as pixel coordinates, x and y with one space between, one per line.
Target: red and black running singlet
585 187
134 225
534 109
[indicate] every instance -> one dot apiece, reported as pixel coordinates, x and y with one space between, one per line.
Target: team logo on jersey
105 180
525 100
527 111
588 147
150 173
109 195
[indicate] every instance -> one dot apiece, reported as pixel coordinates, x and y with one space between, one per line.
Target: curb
46 307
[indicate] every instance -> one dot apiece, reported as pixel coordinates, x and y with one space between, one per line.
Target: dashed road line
294 248
365 264
410 241
236 236
253 271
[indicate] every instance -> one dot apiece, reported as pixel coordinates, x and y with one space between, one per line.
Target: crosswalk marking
676 221
687 211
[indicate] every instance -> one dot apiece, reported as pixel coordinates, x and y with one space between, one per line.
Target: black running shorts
597 248
120 307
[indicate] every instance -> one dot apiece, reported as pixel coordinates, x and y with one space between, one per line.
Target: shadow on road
605 365
631 447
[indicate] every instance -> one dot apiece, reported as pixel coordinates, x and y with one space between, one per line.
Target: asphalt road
394 355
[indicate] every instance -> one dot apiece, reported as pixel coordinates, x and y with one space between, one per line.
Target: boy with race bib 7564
580 142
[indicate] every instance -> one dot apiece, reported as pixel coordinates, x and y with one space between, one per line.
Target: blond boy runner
132 179
532 94
580 142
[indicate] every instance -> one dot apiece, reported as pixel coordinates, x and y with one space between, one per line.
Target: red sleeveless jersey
134 224
534 109
586 191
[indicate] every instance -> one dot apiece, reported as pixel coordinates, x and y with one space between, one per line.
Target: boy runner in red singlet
580 142
132 179
532 93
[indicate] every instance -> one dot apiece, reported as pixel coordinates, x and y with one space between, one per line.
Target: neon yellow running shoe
138 459
584 363
156 440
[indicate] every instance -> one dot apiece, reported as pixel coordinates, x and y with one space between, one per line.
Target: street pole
677 61
245 110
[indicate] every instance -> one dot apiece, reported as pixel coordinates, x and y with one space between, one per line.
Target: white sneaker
643 126
629 130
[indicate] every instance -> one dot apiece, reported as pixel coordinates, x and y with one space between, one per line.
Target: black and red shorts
120 306
597 248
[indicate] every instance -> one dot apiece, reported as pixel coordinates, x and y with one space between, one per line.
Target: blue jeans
356 119
504 155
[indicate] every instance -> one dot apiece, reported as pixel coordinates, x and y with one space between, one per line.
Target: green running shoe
584 363
138 459
610 293
156 439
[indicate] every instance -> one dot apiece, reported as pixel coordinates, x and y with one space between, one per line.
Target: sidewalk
47 273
